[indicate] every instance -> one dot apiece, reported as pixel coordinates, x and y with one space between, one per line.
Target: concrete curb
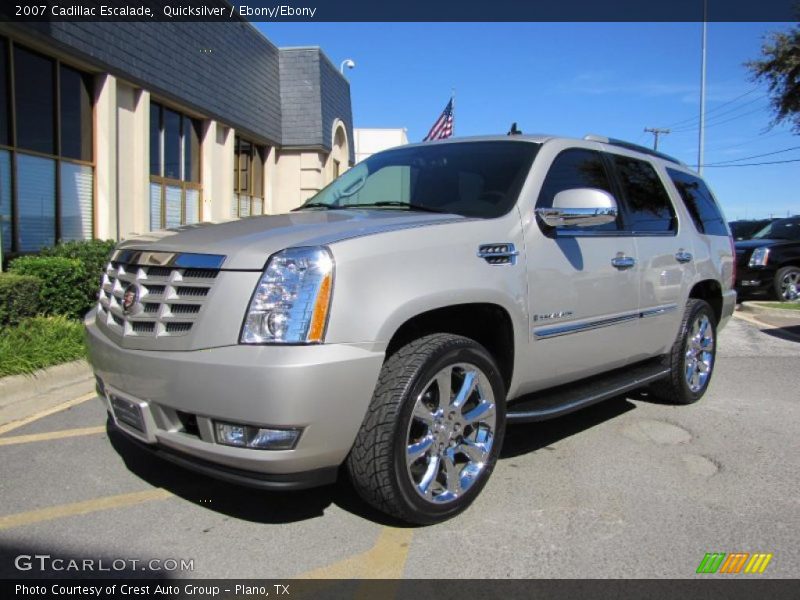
24 395
752 318
757 308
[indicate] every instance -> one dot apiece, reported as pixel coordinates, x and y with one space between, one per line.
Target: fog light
261 438
751 282
231 435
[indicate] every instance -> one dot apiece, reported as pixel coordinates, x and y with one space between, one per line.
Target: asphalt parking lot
629 488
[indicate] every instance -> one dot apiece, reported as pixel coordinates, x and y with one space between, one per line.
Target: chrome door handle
682 256
623 262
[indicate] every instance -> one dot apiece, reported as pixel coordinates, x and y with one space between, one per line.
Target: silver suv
397 321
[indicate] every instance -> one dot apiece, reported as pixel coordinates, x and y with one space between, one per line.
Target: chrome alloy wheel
450 433
699 353
790 285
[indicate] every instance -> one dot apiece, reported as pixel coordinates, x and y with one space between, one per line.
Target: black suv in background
746 229
769 263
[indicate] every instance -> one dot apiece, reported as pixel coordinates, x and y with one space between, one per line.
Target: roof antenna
514 130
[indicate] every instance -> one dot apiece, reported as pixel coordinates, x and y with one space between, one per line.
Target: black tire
786 284
377 462
676 388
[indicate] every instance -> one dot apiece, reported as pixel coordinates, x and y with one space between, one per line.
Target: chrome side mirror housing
580 207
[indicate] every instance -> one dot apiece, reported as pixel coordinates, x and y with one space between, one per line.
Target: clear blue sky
572 79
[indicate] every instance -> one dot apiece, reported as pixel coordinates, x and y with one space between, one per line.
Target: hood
248 243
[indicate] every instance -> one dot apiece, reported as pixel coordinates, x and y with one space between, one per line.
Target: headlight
291 301
759 257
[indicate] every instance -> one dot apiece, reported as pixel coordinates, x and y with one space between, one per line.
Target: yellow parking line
44 413
81 508
385 560
50 435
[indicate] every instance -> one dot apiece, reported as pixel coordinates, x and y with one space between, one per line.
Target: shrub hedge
63 283
94 255
19 298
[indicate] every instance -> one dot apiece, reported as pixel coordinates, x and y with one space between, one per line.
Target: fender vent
498 254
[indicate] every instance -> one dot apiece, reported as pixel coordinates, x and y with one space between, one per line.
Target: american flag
443 128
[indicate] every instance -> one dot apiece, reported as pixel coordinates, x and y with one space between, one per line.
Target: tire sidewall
466 352
700 308
779 275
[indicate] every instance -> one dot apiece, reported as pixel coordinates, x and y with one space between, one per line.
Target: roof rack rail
632 146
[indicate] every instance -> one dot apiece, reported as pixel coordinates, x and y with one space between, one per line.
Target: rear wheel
692 357
433 431
787 284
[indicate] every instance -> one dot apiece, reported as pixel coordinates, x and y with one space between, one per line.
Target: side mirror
580 207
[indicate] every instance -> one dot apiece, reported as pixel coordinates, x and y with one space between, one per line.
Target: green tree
779 67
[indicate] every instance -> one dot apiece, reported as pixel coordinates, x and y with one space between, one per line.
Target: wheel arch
487 323
709 290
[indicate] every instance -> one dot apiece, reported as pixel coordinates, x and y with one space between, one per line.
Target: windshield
784 229
473 179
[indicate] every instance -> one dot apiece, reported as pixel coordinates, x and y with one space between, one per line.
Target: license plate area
127 412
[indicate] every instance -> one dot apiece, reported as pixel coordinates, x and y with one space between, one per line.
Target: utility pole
656 131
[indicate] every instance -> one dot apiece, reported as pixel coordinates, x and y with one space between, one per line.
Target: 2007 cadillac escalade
399 319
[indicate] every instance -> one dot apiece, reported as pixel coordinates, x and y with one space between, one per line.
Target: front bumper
753 281
324 390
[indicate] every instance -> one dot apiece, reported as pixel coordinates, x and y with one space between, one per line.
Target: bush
94 255
19 298
40 342
62 283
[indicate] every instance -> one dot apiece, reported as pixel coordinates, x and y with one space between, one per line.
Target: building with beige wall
368 141
108 130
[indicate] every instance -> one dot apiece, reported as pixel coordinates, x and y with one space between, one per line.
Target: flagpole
453 100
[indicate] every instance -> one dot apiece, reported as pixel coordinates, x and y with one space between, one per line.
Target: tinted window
258 171
782 229
700 203
76 115
577 168
648 204
155 139
474 179
5 131
35 101
172 144
244 150
191 150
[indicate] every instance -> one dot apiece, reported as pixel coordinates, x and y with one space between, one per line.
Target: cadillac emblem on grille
130 299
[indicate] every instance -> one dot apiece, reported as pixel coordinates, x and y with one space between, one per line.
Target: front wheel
787 284
692 357
433 431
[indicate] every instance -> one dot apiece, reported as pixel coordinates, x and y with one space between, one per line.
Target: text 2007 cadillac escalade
397 321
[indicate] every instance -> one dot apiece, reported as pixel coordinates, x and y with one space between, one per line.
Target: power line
722 162
749 112
723 105
749 141
689 126
774 162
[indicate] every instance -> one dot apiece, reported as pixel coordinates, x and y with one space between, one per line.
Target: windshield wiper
393 203
317 205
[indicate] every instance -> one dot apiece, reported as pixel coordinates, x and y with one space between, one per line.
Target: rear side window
649 207
700 203
576 168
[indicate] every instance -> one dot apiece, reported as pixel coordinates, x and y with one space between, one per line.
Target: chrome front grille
162 301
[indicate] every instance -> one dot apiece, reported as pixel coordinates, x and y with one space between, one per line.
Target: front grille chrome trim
175 260
167 303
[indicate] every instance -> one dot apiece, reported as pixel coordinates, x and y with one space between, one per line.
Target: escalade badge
130 298
552 316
